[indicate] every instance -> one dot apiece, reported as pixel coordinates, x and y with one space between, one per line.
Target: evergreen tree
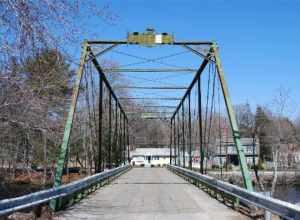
262 124
49 77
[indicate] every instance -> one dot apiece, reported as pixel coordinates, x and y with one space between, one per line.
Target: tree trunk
260 184
275 161
14 162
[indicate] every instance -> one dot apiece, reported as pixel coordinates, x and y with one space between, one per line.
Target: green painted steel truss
213 56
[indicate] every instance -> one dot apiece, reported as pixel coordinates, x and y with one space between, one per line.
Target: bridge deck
149 193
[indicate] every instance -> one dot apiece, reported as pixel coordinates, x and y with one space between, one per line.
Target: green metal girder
232 119
54 204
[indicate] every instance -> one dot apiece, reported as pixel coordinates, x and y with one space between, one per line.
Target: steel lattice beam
151 98
148 70
208 43
157 106
151 87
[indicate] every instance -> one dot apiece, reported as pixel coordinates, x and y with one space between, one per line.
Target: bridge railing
70 193
222 189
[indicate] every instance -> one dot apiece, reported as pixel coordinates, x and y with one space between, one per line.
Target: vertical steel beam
124 138
127 134
201 153
116 134
110 132
68 127
178 140
120 136
190 131
99 158
175 142
171 139
233 122
183 134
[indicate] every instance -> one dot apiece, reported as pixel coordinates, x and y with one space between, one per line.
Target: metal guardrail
276 206
11 205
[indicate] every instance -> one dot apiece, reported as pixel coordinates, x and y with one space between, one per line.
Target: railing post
233 122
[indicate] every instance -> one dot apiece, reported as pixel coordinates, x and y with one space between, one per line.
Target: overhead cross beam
158 118
148 70
155 112
151 98
151 87
157 106
126 42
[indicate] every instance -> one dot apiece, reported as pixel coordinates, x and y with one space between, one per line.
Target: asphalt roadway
150 194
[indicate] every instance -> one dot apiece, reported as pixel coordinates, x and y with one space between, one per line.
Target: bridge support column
110 136
190 131
116 135
178 141
201 154
232 119
127 136
68 127
124 140
175 143
99 159
183 135
171 140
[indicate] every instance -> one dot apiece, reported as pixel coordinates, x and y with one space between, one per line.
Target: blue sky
259 40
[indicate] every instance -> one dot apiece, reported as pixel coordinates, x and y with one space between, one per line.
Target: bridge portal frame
213 56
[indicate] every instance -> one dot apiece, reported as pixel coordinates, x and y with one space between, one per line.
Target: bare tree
245 119
280 104
31 108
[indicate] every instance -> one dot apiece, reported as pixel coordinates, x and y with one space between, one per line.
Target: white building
150 157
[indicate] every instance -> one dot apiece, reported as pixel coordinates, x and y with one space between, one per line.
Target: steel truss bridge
106 130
